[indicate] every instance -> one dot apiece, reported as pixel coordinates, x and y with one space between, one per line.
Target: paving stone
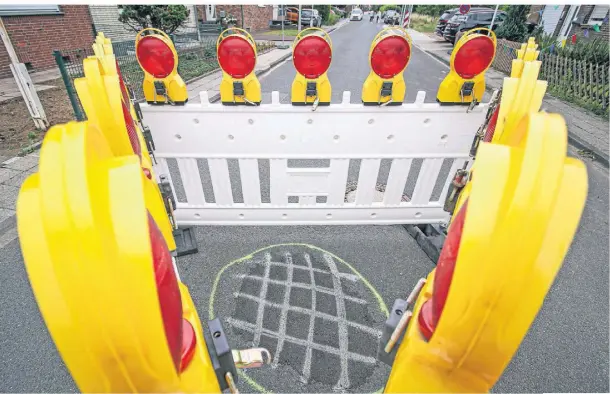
8 196
21 163
7 173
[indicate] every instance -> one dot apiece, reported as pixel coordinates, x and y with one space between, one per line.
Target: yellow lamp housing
471 57
311 56
388 57
158 59
101 273
236 52
464 332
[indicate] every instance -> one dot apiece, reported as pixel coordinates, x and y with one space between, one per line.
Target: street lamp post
493 19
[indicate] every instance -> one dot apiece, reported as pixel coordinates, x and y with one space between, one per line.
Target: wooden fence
582 82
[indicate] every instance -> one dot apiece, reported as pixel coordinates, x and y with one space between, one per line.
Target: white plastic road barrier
340 133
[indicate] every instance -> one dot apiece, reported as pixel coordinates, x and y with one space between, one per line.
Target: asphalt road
566 349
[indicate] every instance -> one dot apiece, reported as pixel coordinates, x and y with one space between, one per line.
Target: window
29 9
598 15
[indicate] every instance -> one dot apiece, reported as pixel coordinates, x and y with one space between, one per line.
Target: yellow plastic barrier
503 250
92 254
107 105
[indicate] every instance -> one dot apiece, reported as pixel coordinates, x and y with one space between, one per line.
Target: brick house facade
257 17
34 37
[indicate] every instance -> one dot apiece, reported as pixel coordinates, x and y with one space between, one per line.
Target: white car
356 15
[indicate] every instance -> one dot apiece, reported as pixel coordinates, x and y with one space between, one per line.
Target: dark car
448 14
458 24
443 19
391 17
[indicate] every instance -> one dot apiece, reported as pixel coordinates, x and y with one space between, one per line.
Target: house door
210 12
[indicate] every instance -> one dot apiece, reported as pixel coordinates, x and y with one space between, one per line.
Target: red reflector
474 57
168 292
188 344
147 173
312 56
131 130
491 126
390 56
236 56
424 319
124 91
446 264
155 56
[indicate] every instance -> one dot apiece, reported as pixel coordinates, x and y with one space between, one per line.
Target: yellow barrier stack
87 245
108 106
512 227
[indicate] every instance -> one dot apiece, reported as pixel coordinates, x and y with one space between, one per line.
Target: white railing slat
250 181
426 181
278 189
221 182
191 181
397 179
367 180
337 180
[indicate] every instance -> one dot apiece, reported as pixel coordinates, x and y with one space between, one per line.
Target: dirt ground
17 129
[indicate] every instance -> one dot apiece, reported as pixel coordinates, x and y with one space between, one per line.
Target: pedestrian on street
378 16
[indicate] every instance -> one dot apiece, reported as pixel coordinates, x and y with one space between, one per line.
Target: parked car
356 15
391 17
292 15
307 15
443 19
446 15
459 24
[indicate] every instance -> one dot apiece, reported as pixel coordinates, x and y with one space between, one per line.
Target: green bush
324 11
332 19
433 10
514 27
394 7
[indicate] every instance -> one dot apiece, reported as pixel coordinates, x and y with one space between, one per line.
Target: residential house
106 19
584 21
36 30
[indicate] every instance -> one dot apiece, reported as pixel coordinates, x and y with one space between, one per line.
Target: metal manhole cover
319 318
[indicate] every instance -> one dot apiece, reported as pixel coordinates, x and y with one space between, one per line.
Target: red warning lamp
168 292
312 56
236 56
390 56
432 309
155 56
474 57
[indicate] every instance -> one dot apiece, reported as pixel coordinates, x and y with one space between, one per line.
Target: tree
514 27
324 11
163 17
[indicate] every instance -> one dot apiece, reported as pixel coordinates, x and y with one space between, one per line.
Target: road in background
565 350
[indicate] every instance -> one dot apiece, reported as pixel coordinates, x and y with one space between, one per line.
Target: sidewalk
9 89
264 63
586 130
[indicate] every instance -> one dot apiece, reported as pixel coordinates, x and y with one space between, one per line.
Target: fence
196 57
577 81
